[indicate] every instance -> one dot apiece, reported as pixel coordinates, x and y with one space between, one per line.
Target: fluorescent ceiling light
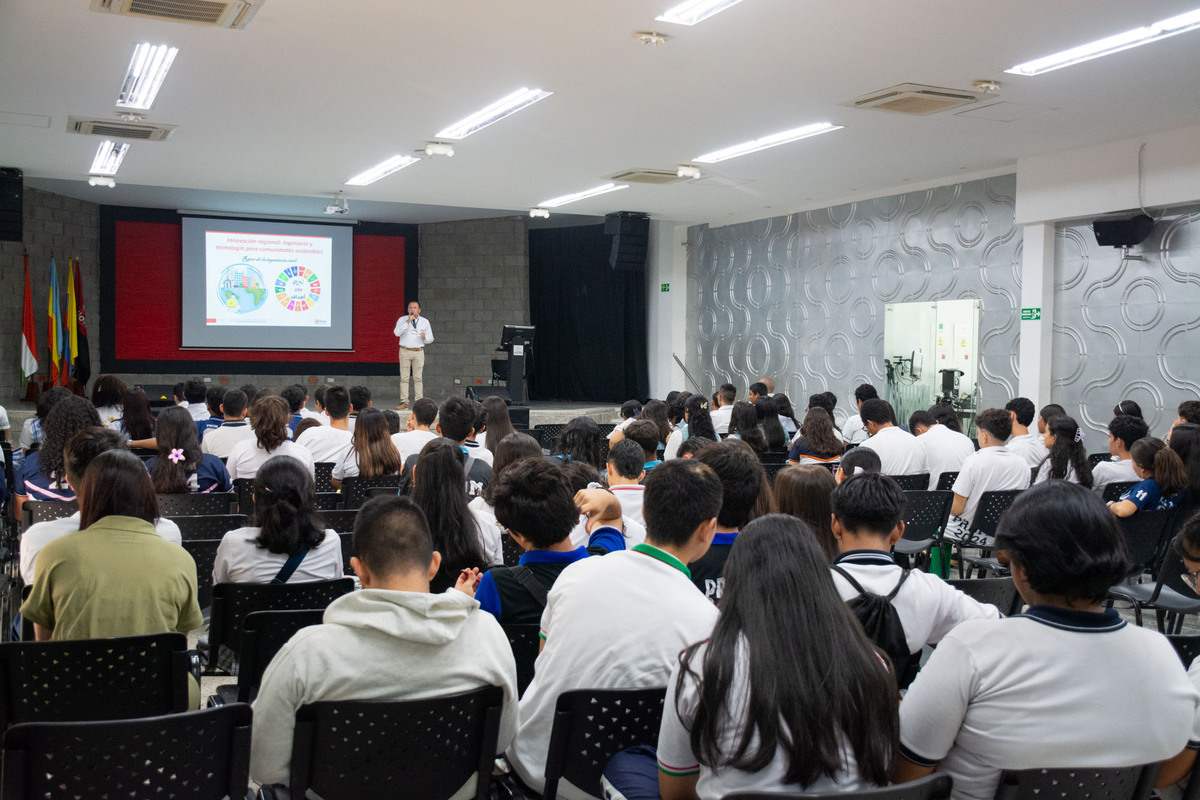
1154 32
108 158
691 12
381 170
595 191
147 70
774 140
504 107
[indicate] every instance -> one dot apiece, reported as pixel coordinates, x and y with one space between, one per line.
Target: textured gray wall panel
801 297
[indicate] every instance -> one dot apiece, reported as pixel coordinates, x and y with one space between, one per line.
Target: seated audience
856 462
214 396
319 402
294 395
1185 441
1128 407
993 468
373 455
497 424
656 412
116 576
252 393
853 429
455 421
1067 458
694 445
78 454
829 721
306 424
626 468
33 429
1030 445
180 466
305 411
743 425
288 542
620 621
816 440
42 476
945 449
417 433
534 503
868 520
630 410
177 395
137 421
723 409
1057 686
511 449
360 399
1123 431
235 428
195 393
743 482
393 421
644 434
1161 479
756 391
772 428
599 507
786 414
696 422
107 394
805 492
827 401
270 416
899 451
437 489
417 645
1186 545
332 442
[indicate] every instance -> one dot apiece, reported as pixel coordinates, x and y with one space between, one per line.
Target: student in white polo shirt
220 441
621 620
720 415
868 520
899 451
1123 431
1059 686
993 468
332 442
853 431
419 433
626 469
946 448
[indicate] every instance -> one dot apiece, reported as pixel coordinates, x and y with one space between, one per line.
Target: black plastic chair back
323 476
1171 575
548 434
931 787
1114 491
1098 458
244 489
93 679
264 633
45 510
232 602
195 505
913 483
992 506
999 592
347 540
213 526
1187 646
928 513
1145 535
773 469
204 553
384 491
1088 783
591 726
525 644
512 550
946 481
354 490
341 520
203 754
415 748
329 501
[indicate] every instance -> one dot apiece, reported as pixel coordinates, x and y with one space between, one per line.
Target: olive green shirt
115 578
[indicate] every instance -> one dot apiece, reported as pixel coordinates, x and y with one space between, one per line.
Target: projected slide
272 279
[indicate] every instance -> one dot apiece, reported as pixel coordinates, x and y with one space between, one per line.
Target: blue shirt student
205 425
1147 496
210 475
33 483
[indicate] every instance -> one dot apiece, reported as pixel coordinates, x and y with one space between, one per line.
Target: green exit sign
1031 313
666 287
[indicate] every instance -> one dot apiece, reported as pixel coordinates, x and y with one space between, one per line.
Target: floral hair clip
176 456
1078 435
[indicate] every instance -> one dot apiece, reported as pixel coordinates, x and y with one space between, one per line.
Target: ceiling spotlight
439 149
109 156
539 213
488 115
575 197
97 180
652 38
692 12
382 170
145 75
688 172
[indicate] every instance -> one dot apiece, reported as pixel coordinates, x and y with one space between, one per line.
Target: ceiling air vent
233 14
651 176
916 98
119 129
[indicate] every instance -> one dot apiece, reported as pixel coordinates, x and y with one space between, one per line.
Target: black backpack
881 622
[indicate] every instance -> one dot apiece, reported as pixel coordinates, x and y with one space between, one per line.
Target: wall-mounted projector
339 207
1124 232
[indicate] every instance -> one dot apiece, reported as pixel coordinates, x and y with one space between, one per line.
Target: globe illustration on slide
241 289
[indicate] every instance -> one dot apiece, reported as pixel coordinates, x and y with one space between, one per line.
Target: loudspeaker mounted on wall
631 237
11 201
1122 232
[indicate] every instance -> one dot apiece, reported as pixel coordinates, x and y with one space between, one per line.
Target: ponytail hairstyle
1068 451
744 422
1163 464
176 435
695 411
270 417
373 447
285 507
439 489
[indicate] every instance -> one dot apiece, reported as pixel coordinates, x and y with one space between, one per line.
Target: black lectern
517 340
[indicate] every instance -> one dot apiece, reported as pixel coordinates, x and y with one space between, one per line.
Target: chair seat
988 564
908 547
1171 600
1133 592
226 694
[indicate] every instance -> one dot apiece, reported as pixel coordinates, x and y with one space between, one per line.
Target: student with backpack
742 482
901 610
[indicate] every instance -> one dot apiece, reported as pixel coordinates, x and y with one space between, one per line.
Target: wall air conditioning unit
119 129
916 98
232 14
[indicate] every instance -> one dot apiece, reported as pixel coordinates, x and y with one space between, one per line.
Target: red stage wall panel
147 279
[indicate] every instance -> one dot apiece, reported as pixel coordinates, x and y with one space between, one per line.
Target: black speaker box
1122 232
631 237
12 191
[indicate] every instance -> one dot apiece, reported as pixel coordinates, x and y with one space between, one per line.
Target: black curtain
591 319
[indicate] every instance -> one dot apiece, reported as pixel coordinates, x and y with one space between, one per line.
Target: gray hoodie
376 644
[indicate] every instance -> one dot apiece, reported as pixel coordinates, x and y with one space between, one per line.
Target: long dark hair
373 447
509 450
699 421
498 422
656 412
109 390
815 684
269 416
581 441
675 406
744 422
439 489
805 492
136 416
1185 441
68 417
176 431
116 483
1163 464
285 507
772 428
817 432
1068 452
783 408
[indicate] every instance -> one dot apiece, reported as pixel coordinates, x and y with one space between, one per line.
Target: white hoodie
377 644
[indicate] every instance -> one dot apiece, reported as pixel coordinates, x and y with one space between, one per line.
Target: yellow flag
72 312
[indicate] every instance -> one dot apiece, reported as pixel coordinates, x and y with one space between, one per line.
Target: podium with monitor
517 342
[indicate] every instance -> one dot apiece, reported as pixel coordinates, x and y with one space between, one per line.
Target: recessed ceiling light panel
382 170
108 158
692 12
774 140
145 75
575 197
489 115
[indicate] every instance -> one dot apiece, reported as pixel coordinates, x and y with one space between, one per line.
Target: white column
1037 291
666 324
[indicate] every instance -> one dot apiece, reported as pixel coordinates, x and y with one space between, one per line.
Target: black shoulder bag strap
290 566
858 586
525 577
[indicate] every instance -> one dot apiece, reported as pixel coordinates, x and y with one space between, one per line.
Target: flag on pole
53 324
70 342
83 358
29 362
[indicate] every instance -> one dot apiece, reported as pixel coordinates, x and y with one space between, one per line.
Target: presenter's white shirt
409 443
326 443
992 469
1050 688
220 441
413 335
40 534
1107 472
240 560
1030 447
945 451
247 457
899 451
720 419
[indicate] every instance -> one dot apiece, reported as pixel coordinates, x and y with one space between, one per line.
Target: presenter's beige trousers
412 359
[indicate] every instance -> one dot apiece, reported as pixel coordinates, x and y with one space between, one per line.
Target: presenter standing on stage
414 332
